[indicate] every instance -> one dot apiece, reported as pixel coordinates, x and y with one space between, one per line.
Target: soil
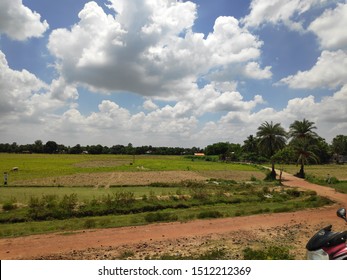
186 239
106 179
141 177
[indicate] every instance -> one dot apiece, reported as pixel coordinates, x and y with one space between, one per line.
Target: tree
304 149
38 146
302 129
220 148
76 149
272 137
250 150
304 141
50 147
339 146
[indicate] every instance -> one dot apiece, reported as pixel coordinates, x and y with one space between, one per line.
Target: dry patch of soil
115 178
233 175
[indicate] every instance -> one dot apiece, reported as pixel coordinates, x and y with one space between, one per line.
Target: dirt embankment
189 238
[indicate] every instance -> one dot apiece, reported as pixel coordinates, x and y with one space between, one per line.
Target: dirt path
184 238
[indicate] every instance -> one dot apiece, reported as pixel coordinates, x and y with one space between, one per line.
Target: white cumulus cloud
285 12
330 28
149 48
329 71
19 22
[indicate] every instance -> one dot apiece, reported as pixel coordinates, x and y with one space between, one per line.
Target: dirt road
184 238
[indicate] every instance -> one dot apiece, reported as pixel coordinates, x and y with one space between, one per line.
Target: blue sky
169 73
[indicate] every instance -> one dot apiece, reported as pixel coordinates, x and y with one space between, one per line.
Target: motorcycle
328 245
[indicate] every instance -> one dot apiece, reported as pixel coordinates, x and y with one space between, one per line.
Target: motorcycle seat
326 238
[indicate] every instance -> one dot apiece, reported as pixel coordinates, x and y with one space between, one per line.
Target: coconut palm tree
304 141
272 137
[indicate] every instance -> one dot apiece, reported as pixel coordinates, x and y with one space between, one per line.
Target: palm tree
304 149
272 137
303 142
302 129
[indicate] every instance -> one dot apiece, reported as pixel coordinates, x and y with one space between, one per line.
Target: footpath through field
39 246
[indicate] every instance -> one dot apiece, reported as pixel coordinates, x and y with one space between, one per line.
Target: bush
269 176
69 202
9 206
90 223
210 214
160 217
333 180
293 193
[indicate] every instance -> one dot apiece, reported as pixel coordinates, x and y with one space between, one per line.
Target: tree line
51 147
272 143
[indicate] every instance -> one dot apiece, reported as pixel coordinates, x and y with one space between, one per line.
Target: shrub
293 193
90 223
69 202
333 180
9 206
253 178
160 217
269 176
210 214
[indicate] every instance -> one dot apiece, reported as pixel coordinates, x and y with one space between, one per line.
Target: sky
167 72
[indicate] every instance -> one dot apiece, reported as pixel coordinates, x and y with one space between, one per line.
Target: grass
270 253
32 166
22 195
76 208
319 174
247 201
320 170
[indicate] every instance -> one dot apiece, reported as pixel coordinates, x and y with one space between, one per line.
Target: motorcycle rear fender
317 255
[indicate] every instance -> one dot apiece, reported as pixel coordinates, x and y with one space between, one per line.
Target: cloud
19 22
16 88
149 105
330 28
253 70
62 91
279 12
329 71
149 48
329 116
25 98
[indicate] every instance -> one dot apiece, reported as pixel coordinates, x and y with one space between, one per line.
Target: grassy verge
51 213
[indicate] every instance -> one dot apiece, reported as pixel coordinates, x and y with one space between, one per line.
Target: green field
320 174
40 165
225 190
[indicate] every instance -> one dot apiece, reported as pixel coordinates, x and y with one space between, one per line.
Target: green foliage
269 176
210 214
160 217
90 223
270 253
9 205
